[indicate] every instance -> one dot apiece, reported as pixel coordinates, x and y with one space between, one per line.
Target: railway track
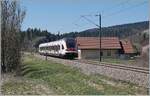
117 66
136 75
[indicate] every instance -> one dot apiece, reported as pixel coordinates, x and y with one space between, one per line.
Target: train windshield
70 43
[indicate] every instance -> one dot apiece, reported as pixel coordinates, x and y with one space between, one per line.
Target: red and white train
65 48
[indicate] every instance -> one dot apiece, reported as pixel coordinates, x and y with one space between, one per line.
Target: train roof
64 39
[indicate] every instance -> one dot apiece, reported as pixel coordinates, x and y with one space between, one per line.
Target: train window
62 47
55 48
70 43
58 47
49 47
52 47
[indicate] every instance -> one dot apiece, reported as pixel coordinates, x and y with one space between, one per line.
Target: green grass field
25 87
66 80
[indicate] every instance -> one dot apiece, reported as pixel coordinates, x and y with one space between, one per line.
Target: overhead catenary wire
90 21
112 7
125 9
119 4
111 14
85 16
78 25
76 20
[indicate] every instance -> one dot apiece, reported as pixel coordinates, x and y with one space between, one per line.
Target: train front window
62 47
70 43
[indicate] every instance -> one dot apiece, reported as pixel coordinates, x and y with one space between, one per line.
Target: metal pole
100 57
46 56
31 42
99 26
46 48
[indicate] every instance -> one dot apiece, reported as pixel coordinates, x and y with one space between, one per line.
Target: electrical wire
90 21
109 15
119 4
126 9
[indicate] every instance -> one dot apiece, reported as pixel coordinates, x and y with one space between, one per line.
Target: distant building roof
94 43
127 46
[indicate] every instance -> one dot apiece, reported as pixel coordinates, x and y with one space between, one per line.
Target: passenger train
65 48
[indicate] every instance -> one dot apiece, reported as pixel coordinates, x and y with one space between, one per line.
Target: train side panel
59 48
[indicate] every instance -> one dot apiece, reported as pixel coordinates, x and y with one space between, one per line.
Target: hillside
121 31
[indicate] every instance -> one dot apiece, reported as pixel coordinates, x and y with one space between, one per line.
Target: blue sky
64 15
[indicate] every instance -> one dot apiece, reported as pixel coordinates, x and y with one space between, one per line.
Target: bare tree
11 19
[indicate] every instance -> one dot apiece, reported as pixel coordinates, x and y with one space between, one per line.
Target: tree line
38 36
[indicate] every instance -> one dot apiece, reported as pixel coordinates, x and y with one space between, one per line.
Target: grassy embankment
65 80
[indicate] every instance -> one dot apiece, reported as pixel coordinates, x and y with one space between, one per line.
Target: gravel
119 74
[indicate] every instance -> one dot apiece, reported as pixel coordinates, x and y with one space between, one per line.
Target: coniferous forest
37 36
